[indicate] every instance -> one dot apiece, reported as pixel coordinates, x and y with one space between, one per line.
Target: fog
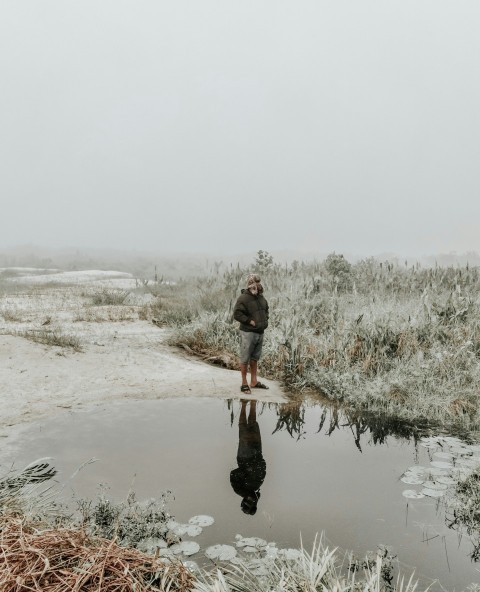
227 127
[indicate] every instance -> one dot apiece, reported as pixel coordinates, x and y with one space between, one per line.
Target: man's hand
252 322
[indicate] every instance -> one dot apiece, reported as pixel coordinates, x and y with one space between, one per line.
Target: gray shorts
250 346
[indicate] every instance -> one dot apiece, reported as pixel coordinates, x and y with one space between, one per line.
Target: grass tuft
11 315
320 569
109 297
52 337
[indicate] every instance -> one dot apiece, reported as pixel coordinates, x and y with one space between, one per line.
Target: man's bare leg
243 370
253 372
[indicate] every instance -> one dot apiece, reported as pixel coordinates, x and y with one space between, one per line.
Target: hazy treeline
173 266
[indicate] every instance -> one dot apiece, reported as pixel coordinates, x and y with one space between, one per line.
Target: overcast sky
231 126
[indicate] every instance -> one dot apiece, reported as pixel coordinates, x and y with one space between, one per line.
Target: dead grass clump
53 337
105 314
145 313
109 297
88 315
460 407
11 315
59 559
408 343
212 356
396 394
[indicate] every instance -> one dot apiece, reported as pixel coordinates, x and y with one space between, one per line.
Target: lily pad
433 492
444 455
193 530
452 440
185 547
462 473
258 567
201 520
191 566
221 552
254 542
446 480
429 441
435 485
271 552
179 529
412 480
416 469
438 472
467 462
440 464
151 545
459 450
412 494
290 554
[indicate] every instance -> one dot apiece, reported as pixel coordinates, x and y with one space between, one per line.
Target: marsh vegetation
397 340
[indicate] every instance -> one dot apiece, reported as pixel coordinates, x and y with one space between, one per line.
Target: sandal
260 385
245 389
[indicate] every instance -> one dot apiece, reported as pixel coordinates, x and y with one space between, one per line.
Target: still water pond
315 472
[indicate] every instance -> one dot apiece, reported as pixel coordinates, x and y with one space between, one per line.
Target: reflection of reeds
373 428
291 418
463 511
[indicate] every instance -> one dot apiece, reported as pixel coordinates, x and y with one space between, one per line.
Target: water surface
342 479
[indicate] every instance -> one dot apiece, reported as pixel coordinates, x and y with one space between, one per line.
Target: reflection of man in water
248 478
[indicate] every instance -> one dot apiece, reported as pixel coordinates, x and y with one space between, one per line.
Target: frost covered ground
121 353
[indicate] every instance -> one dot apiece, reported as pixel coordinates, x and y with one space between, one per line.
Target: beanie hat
253 284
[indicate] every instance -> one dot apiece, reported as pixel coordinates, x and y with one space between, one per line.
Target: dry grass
52 337
105 314
12 315
61 559
213 356
109 297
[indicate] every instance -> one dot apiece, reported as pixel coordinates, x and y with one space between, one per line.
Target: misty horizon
197 262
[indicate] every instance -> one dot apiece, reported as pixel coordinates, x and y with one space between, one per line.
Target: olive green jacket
249 307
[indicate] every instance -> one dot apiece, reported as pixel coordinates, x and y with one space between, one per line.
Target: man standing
251 311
